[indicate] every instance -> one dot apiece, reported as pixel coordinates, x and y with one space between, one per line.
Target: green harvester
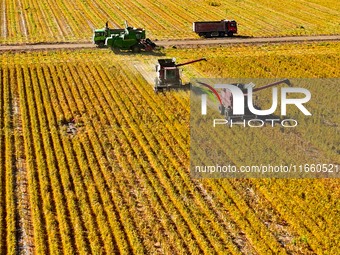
128 38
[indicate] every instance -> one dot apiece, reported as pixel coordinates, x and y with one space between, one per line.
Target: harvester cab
169 75
99 36
225 99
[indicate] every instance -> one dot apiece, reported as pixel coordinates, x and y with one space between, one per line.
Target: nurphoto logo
264 127
237 104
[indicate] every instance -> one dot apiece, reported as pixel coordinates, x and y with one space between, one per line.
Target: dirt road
182 43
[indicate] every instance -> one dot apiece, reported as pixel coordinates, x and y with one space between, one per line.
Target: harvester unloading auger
225 99
168 74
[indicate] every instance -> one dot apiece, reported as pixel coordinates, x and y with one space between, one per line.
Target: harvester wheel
156 90
115 50
136 49
101 45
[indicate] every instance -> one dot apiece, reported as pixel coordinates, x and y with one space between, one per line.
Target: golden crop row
53 183
8 197
25 21
120 183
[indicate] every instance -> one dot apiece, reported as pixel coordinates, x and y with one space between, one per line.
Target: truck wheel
230 34
136 49
221 34
207 35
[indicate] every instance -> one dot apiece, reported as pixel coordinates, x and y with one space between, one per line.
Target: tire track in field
22 19
4 20
3 229
24 217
